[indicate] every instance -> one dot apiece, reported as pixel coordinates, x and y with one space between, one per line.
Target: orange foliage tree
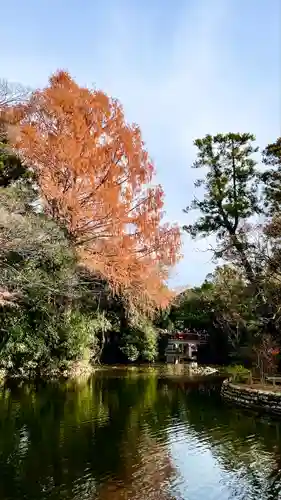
95 175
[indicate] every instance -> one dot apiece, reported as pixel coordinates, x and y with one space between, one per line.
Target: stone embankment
248 397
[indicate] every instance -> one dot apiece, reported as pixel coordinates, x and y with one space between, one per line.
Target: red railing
189 336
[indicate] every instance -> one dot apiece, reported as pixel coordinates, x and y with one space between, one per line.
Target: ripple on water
134 439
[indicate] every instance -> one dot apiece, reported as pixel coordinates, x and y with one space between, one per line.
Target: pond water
133 436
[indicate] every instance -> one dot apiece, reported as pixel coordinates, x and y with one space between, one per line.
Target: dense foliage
85 255
239 207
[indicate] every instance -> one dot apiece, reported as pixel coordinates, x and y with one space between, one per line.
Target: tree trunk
244 260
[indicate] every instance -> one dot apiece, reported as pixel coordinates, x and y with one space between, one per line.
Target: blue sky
181 68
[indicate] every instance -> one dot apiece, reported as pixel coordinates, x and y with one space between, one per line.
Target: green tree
230 193
48 320
234 308
11 167
272 176
140 339
231 197
54 311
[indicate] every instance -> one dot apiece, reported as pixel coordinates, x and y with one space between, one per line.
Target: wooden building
183 346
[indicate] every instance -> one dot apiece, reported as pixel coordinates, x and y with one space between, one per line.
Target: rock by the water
201 370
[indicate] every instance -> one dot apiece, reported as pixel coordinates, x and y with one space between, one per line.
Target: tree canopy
239 205
85 254
95 178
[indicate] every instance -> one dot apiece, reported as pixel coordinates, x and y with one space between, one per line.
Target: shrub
129 349
139 342
239 373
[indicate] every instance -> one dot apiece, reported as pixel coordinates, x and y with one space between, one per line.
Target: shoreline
258 399
82 369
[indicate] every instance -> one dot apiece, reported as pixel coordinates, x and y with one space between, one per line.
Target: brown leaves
95 178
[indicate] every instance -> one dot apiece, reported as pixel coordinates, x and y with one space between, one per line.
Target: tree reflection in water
111 438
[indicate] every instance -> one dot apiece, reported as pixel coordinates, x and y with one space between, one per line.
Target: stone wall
248 397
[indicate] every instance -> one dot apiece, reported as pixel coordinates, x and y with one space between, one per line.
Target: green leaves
11 167
272 177
230 195
139 342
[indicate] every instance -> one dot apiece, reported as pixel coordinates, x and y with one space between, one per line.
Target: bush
48 342
139 342
238 373
42 326
129 349
83 334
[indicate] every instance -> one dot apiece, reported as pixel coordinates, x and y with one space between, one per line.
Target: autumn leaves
95 179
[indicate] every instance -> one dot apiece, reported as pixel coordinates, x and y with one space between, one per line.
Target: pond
133 436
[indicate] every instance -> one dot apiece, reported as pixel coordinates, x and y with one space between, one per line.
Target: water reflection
133 437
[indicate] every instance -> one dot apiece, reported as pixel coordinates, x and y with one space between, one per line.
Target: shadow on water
133 437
